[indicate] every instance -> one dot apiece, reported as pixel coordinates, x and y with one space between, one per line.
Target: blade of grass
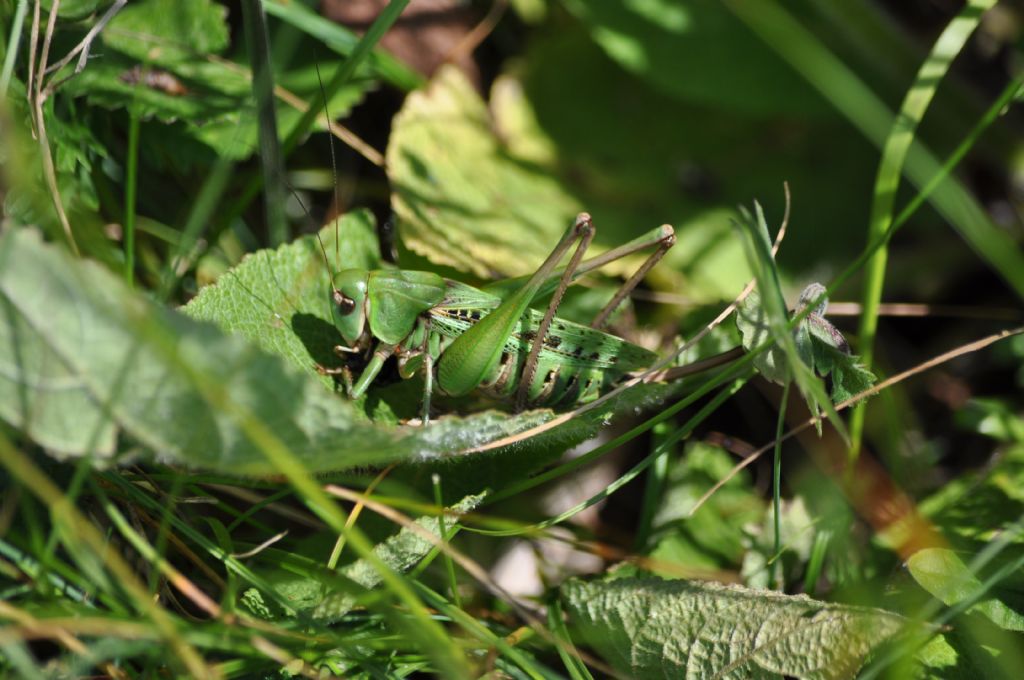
566 650
258 44
346 43
816 561
13 42
665 446
79 529
890 169
654 488
131 183
359 52
442 524
780 427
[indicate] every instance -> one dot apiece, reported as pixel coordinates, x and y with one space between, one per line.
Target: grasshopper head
348 303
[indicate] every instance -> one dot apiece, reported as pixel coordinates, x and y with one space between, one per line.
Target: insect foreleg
584 231
667 240
380 355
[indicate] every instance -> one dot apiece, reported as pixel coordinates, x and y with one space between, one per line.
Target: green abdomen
576 363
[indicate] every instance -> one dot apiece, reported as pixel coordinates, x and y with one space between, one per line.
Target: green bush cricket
463 338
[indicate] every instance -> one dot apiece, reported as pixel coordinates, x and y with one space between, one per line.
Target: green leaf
168 32
993 418
797 539
818 344
463 200
752 322
714 537
74 10
975 508
180 387
943 574
279 300
647 627
217 94
697 52
311 590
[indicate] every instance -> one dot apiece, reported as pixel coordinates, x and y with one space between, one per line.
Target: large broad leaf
699 52
464 201
168 32
648 627
72 332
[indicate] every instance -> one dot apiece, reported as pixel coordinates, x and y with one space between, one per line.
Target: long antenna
309 216
334 167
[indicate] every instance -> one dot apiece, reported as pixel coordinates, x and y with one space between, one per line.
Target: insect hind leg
583 231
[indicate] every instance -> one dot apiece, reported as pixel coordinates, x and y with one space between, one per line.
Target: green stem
890 169
12 46
442 528
780 427
258 44
657 480
130 193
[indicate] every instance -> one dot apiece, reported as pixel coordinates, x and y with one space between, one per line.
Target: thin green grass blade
890 170
13 41
348 44
131 183
566 649
80 531
665 446
257 42
758 247
654 489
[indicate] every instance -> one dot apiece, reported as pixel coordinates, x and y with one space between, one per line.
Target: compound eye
346 305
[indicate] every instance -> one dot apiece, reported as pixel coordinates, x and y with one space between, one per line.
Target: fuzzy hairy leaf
648 627
181 387
463 200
